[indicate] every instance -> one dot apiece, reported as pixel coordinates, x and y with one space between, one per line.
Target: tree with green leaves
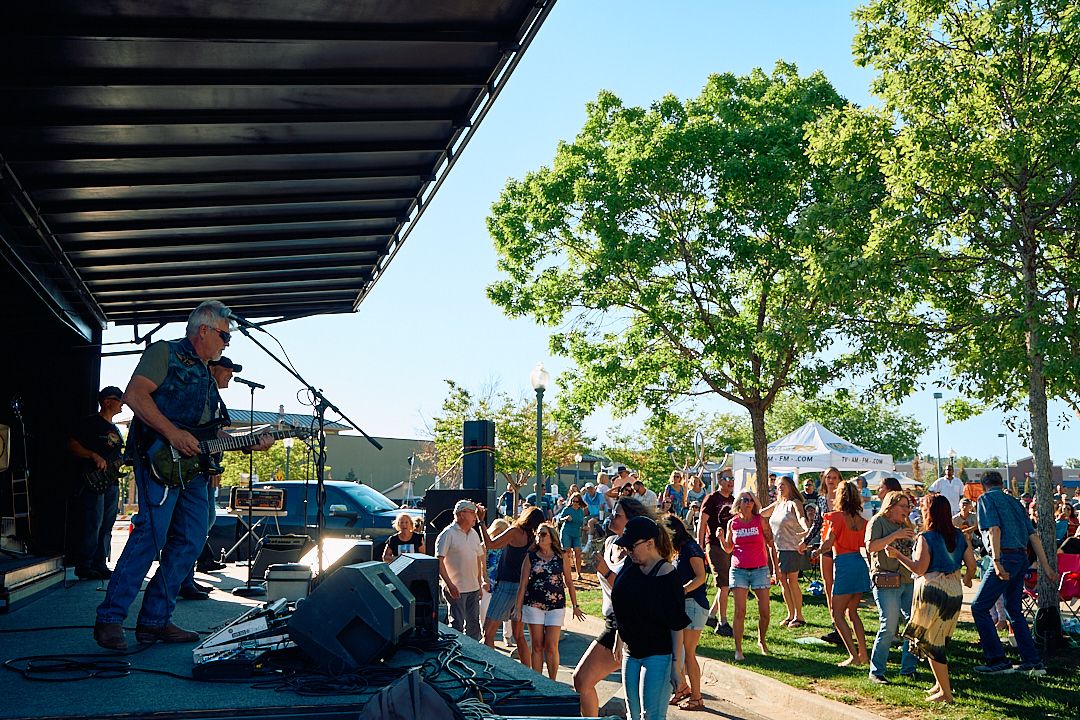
983 169
693 248
647 450
268 464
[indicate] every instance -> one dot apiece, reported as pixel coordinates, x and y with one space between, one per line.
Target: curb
760 694
771 698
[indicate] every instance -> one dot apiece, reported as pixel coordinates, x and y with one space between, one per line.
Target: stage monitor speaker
439 510
420 573
279 550
354 618
337 553
478 458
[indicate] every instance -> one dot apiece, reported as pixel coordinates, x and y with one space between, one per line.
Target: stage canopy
813 447
272 154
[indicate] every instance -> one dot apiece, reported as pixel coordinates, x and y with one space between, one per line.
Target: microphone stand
322 404
258 589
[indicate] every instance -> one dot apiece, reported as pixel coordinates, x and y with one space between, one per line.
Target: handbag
886 579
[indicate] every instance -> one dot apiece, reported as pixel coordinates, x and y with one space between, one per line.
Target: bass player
170 392
99 444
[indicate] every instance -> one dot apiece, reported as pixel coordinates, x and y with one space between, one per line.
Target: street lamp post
539 378
577 470
952 459
288 453
1007 482
937 416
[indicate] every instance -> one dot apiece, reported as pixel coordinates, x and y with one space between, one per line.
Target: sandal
796 624
680 695
693 703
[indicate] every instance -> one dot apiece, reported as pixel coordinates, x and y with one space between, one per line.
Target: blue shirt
996 509
941 560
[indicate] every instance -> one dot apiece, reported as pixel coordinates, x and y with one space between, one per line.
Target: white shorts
547 618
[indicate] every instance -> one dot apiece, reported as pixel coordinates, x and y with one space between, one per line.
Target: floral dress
545 589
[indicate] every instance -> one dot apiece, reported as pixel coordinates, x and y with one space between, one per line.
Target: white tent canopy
874 477
813 447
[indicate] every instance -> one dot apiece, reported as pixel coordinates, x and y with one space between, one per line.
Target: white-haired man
171 390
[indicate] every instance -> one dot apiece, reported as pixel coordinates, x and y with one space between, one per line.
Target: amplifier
266 500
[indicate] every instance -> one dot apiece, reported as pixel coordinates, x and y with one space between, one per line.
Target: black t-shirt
413 544
718 509
97 434
647 609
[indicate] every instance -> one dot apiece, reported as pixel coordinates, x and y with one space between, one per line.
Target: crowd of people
654 552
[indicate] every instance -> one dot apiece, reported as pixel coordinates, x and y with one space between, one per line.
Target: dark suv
350 510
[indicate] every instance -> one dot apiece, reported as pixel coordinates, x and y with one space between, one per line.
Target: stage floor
60 624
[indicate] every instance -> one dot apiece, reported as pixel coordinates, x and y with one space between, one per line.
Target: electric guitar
97 481
171 469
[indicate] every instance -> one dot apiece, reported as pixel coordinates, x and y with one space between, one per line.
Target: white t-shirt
952 491
459 551
648 499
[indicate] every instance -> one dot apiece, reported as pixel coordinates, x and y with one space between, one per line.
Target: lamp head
539 377
937 396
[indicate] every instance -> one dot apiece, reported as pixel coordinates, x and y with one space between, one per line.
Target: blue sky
428 318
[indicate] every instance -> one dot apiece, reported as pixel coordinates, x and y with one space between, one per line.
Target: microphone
250 383
240 320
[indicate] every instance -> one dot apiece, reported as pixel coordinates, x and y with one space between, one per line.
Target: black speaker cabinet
337 553
420 574
478 459
439 510
354 618
280 550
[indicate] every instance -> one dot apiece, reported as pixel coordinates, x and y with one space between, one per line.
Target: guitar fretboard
239 442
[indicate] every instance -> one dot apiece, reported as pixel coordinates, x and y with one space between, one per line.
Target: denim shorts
750 578
698 615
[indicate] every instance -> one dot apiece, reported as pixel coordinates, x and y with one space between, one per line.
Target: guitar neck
239 442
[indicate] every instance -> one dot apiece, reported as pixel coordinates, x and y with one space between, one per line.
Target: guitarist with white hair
99 444
173 396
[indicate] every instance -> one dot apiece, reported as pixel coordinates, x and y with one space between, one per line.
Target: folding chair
1069 585
1030 599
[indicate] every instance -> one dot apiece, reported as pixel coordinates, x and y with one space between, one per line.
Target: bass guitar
97 481
171 469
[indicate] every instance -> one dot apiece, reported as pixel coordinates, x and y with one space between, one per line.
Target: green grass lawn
813 667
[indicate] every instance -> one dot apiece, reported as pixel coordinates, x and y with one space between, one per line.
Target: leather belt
1015 551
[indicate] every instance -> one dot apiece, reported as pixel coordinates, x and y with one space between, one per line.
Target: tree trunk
761 459
1037 413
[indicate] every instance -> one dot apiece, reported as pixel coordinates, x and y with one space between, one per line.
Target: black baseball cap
226 363
110 392
638 528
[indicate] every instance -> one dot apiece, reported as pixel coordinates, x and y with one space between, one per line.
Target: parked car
350 510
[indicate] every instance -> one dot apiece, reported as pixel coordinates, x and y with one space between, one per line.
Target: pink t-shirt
749 539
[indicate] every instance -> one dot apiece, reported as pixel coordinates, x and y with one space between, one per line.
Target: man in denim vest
171 388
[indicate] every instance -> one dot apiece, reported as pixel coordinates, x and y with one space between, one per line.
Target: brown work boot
110 636
168 634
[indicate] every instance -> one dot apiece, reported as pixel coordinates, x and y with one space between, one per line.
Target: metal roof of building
271 154
240 417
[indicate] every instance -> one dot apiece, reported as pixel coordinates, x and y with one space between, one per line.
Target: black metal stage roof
272 154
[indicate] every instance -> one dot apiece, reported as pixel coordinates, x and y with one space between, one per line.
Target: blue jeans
211 518
184 511
892 604
647 683
992 587
98 515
